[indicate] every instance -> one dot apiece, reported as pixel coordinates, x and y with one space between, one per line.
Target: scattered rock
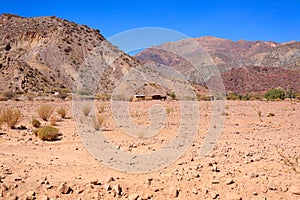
110 179
295 189
64 188
214 195
45 198
118 189
215 168
215 181
253 175
18 179
233 196
264 189
107 187
195 191
271 186
96 182
30 195
133 196
229 181
173 192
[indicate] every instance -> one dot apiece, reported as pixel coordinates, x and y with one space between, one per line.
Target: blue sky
249 19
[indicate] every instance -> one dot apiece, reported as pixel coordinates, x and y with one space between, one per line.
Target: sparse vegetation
86 109
83 92
10 116
169 110
103 97
45 112
53 121
9 94
101 108
173 96
3 98
279 94
62 112
47 133
259 113
290 161
204 97
98 121
36 123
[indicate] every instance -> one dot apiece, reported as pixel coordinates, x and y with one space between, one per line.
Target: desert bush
62 112
173 96
204 97
101 108
9 94
290 161
86 109
98 121
48 133
277 93
103 97
36 123
63 95
3 98
53 121
169 110
66 90
45 112
234 96
10 116
83 92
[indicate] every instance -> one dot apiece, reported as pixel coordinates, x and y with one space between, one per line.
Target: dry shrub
103 97
3 98
169 110
36 123
53 121
98 121
48 133
45 112
86 109
10 116
101 108
9 94
62 112
290 161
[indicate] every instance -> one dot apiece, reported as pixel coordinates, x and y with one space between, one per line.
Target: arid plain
249 160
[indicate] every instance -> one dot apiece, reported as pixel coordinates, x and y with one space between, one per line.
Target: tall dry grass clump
10 116
45 112
62 112
86 109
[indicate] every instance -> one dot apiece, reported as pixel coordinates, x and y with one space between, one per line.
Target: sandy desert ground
245 163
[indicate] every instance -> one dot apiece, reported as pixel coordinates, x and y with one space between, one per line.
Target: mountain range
245 66
47 54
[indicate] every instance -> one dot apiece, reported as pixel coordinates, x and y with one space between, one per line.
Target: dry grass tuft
290 161
10 116
86 109
62 112
45 112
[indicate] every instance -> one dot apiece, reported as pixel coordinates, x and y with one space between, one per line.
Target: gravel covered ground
246 163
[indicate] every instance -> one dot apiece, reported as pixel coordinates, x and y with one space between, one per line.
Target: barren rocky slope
44 54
